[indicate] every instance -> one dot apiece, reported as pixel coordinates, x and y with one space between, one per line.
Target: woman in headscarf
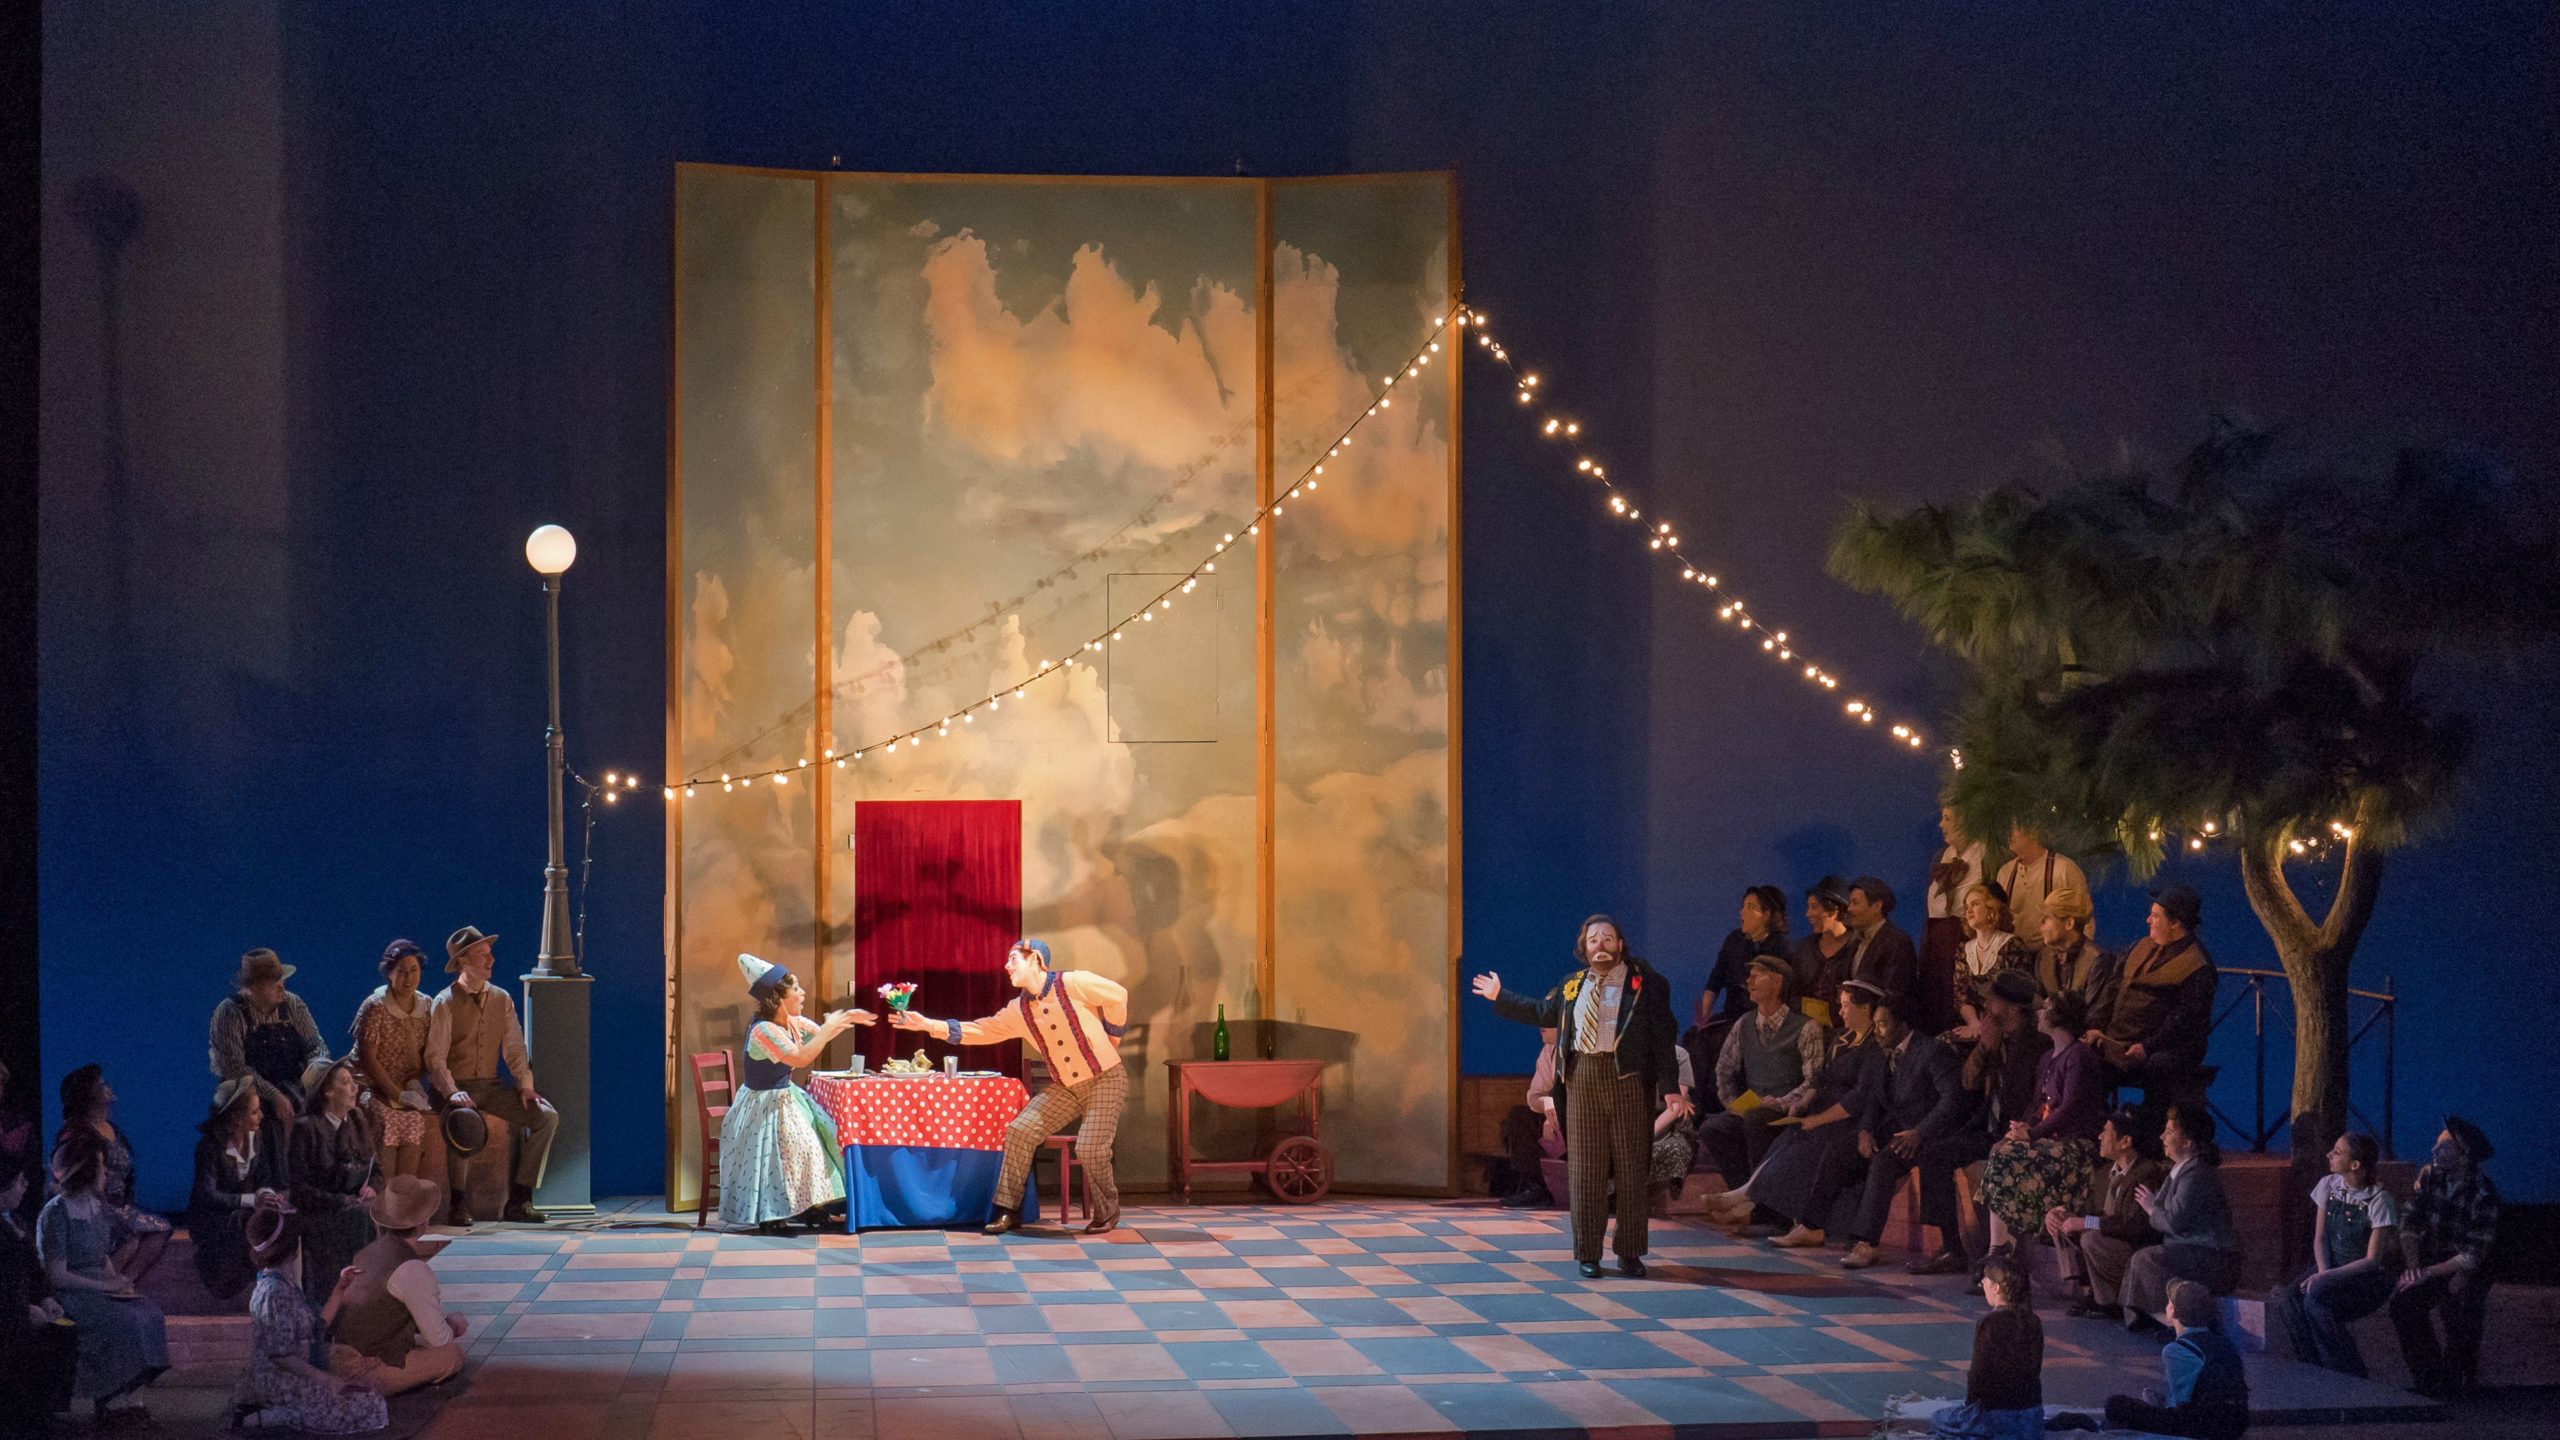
779 1160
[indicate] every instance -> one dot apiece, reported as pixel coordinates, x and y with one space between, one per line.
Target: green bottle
1218 1037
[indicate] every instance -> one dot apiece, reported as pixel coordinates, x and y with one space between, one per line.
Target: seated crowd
315 1178
1820 1075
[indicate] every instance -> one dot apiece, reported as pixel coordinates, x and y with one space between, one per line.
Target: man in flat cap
264 1033
471 1028
2445 1236
1767 1069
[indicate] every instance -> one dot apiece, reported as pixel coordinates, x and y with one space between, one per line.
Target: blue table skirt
912 1187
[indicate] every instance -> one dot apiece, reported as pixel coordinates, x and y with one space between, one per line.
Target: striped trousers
1097 1101
1608 1134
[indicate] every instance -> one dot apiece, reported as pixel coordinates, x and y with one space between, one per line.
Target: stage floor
1347 1318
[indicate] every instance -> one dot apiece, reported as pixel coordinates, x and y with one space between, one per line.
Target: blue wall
399 293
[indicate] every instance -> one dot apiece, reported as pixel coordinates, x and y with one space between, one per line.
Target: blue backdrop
340 302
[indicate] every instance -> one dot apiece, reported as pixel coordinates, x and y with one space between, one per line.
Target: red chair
711 1076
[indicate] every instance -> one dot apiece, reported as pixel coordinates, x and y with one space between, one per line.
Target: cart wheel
1300 1170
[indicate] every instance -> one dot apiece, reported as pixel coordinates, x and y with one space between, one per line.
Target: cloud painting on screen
1036 388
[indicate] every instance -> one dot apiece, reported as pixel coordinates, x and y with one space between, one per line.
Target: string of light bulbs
1662 540
619 783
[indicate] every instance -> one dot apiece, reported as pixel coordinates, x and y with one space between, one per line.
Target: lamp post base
555 1032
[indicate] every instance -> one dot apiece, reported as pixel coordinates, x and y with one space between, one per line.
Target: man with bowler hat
470 1030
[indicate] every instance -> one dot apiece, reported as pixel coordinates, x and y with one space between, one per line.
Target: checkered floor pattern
1355 1318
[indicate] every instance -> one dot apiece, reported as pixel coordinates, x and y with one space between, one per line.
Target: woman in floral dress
2046 1159
391 1057
288 1385
779 1160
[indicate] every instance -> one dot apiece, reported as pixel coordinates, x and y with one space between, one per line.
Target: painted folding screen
996 418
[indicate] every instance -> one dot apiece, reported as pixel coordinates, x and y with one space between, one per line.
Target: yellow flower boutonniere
1573 988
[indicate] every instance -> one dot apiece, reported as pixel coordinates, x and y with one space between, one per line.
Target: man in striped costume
1074 1019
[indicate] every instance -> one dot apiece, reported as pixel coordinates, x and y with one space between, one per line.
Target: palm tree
2234 653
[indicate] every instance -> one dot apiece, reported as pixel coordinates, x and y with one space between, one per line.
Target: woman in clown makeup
779 1161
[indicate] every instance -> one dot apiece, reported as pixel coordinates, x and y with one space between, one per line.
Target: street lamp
551 550
556 1004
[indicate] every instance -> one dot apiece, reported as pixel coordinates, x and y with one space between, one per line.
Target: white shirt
2027 884
414 1283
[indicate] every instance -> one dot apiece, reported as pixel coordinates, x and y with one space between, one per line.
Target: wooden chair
1035 1074
711 1076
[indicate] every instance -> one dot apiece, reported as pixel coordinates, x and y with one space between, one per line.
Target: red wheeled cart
1295 1167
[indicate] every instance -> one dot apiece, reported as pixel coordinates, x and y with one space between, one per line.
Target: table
1294 1166
921 1151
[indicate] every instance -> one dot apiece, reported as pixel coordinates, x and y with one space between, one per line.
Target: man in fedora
470 1029
265 1032
392 1332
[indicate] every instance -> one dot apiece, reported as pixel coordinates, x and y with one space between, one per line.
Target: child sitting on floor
2208 1392
2004 1389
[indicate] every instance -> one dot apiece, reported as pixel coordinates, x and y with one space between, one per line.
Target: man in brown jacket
2093 1250
472 1027
392 1332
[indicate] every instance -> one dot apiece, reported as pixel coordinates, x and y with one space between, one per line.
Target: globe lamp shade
550 550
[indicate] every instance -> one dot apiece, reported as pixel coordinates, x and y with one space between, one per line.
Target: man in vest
2070 962
2155 1037
1074 1019
1774 1055
470 1028
392 1332
2034 872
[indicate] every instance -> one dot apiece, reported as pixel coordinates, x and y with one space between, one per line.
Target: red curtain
937 899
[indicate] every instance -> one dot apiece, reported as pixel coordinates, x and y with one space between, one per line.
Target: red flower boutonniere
1635 985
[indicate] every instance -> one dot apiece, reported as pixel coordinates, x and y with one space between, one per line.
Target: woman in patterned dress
391 1055
287 1385
1989 948
88 1111
2046 1159
124 1339
779 1160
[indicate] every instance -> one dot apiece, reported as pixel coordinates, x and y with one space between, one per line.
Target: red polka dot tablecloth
969 1112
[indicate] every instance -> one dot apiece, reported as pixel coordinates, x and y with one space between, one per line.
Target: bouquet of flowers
898 994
